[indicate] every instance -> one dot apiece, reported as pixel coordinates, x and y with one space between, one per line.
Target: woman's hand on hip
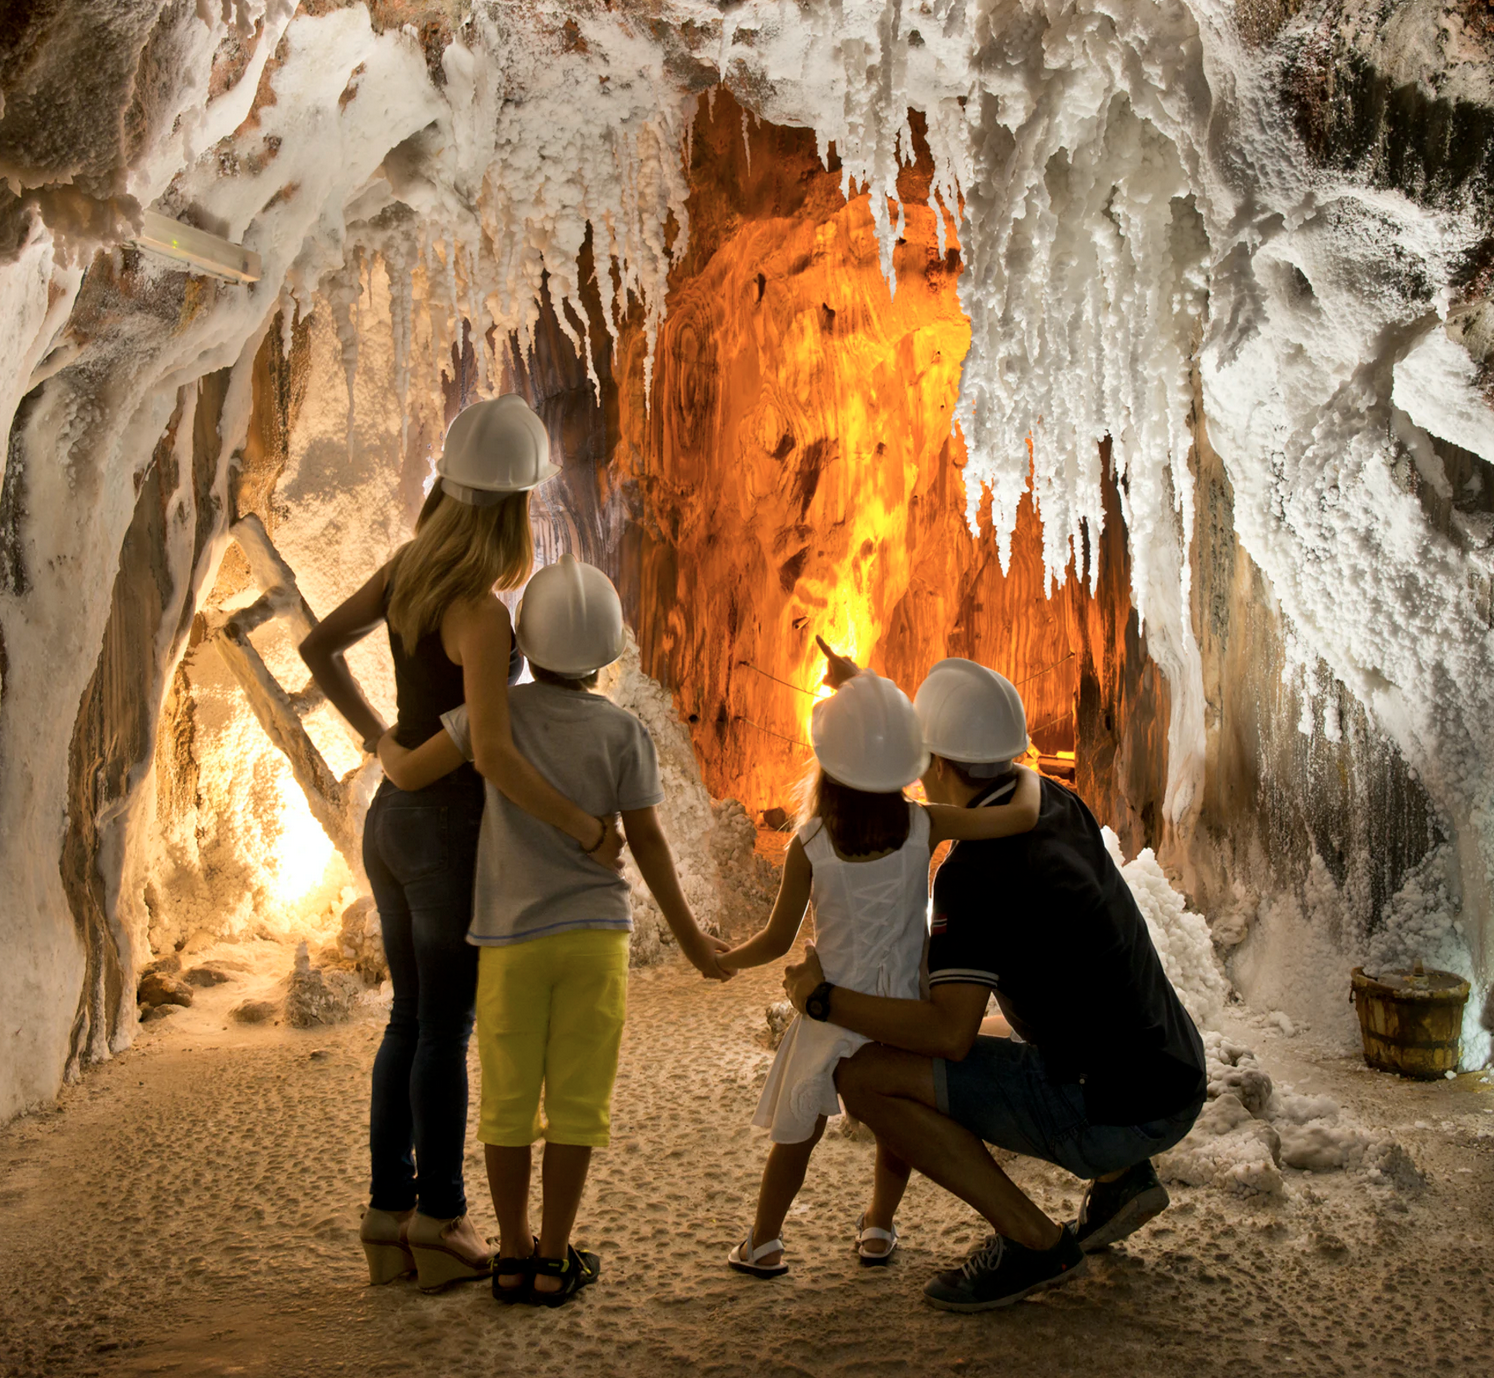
608 852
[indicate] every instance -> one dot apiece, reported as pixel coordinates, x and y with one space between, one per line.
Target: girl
452 642
862 854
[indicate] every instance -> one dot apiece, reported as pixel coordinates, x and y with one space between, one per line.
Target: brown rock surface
254 1011
159 988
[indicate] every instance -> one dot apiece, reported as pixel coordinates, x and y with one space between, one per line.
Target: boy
554 925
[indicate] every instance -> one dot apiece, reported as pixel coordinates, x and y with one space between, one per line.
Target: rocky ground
192 1208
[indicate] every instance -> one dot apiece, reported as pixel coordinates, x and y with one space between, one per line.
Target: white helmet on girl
867 736
493 449
570 619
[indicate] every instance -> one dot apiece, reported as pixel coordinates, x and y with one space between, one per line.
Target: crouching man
1109 1069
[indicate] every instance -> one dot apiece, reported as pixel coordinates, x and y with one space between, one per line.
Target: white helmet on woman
867 736
570 619
493 449
971 714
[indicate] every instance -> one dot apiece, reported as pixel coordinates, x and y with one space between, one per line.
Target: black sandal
577 1269
522 1268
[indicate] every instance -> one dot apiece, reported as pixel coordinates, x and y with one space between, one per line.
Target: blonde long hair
459 552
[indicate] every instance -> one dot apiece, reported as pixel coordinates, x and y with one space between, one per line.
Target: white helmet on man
867 736
971 714
492 449
570 619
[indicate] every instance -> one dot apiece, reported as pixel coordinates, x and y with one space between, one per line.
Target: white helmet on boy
570 619
492 449
971 714
867 736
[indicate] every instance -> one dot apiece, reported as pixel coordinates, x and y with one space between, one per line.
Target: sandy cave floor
192 1208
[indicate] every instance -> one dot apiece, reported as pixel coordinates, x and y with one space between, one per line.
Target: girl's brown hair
858 821
459 552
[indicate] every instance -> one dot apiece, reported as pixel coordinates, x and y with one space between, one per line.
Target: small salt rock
158 988
199 941
319 995
1450 1075
151 1012
206 976
254 1011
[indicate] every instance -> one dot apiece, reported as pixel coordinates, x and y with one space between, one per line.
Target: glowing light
303 851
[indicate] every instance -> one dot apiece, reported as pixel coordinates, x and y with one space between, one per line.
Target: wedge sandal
437 1264
744 1258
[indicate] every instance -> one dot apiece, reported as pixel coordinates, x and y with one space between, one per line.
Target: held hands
839 669
800 979
702 952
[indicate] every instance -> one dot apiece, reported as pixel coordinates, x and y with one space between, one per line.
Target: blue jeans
420 852
1001 1091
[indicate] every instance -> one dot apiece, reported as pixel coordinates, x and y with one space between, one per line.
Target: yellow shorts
550 1012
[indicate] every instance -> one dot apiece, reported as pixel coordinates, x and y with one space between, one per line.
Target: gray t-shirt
533 879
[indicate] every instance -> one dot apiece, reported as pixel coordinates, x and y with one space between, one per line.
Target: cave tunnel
1146 361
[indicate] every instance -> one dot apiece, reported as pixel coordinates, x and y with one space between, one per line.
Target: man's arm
944 1025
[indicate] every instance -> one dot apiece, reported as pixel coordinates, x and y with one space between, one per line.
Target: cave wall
114 505
794 472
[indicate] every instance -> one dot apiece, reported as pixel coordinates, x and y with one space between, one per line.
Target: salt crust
1129 183
1250 1128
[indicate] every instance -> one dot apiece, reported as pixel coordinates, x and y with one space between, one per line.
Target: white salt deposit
1250 1127
1181 937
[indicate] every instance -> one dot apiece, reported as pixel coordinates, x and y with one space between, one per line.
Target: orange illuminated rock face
795 473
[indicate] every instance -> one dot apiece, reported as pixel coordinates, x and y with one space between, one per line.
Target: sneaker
1002 1271
1112 1210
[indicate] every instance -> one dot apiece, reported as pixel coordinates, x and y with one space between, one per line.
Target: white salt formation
1197 228
1250 1128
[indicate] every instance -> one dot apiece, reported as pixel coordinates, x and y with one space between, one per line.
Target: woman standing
452 642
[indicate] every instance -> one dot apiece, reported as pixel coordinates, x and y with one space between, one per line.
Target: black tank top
429 683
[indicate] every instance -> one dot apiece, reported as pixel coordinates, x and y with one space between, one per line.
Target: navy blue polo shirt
1048 923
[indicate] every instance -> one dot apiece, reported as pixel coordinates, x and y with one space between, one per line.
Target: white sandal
874 1258
744 1258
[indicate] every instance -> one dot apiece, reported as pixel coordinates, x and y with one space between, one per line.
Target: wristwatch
817 1006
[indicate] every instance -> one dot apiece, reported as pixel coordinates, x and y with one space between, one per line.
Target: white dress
871 926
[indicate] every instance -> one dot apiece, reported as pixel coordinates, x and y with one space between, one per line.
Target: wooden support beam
336 804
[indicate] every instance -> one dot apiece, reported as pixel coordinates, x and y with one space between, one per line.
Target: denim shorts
1002 1092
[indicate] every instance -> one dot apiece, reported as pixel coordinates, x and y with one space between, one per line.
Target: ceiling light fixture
197 249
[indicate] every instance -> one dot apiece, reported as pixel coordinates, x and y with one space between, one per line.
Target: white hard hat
571 619
971 714
493 449
867 736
